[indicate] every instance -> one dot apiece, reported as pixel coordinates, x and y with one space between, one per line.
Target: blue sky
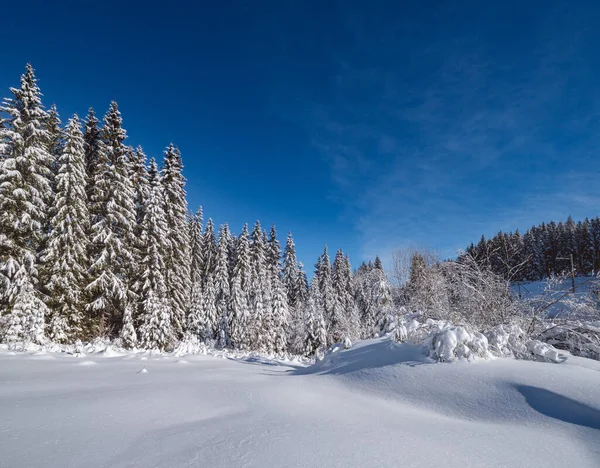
363 125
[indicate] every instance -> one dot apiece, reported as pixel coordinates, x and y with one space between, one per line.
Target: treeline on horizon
98 242
542 251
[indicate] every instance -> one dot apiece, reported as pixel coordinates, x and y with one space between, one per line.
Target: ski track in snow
376 405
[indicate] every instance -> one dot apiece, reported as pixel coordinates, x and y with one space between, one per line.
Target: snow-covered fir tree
196 319
221 281
314 332
209 251
260 294
141 190
277 316
113 220
290 272
25 190
239 307
24 322
302 289
209 312
331 309
56 137
156 319
178 262
66 255
195 233
128 333
92 146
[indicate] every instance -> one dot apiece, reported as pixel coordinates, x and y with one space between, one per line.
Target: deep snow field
379 404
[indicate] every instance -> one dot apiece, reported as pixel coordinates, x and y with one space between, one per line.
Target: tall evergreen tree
330 308
178 262
221 276
93 148
56 137
196 252
156 314
141 192
66 255
239 307
209 251
302 289
112 205
314 331
260 299
290 272
25 190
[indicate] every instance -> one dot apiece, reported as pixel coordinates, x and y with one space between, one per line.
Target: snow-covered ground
378 404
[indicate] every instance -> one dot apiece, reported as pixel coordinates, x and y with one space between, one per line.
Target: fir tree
195 230
128 333
314 330
260 300
209 251
56 137
279 319
66 255
112 205
156 315
290 272
302 289
141 191
196 320
221 278
239 307
178 258
93 148
209 308
330 307
25 321
25 189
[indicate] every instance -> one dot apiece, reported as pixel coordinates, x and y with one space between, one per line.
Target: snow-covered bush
579 338
462 292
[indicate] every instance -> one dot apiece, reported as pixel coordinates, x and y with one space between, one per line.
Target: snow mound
449 343
143 371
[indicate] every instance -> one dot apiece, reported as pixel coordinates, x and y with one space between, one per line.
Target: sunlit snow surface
376 405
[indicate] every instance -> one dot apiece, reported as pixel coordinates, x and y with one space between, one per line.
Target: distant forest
542 251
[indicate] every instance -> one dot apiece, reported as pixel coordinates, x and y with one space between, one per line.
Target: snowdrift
379 403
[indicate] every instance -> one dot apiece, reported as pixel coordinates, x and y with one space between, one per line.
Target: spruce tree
209 252
239 307
66 255
260 299
331 309
221 281
56 137
196 319
314 332
178 260
156 315
93 148
113 221
24 322
141 191
25 190
128 333
209 308
196 251
302 289
290 272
